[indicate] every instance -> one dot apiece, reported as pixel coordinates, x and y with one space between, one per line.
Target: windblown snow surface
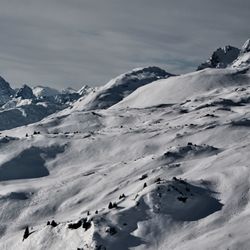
165 168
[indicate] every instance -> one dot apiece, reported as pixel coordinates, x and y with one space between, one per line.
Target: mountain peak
221 58
120 87
5 91
4 84
25 92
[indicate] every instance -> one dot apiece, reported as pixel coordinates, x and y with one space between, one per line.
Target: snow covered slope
41 91
180 88
166 168
118 88
244 58
86 160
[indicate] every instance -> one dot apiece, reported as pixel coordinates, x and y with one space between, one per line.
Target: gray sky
62 43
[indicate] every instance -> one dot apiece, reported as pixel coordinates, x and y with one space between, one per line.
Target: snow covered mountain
120 87
28 105
22 107
166 167
41 91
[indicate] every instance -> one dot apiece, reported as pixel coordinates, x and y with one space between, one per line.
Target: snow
242 61
24 107
246 47
40 91
85 89
68 90
172 157
120 87
180 88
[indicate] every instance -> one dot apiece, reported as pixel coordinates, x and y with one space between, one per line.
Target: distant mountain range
28 105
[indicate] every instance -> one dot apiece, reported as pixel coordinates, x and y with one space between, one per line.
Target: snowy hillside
120 87
165 166
180 88
25 105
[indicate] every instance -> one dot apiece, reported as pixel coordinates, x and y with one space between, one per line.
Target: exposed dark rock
75 225
110 206
144 176
122 196
111 230
86 224
53 223
26 233
183 199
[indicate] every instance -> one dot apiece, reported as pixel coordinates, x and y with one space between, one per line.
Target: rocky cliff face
221 58
5 91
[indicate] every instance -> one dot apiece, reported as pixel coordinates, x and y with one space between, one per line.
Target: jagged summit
221 58
5 87
5 91
228 56
25 92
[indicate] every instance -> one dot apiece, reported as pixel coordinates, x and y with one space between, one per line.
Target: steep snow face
85 89
25 92
180 88
41 91
243 61
120 87
221 58
5 91
246 47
